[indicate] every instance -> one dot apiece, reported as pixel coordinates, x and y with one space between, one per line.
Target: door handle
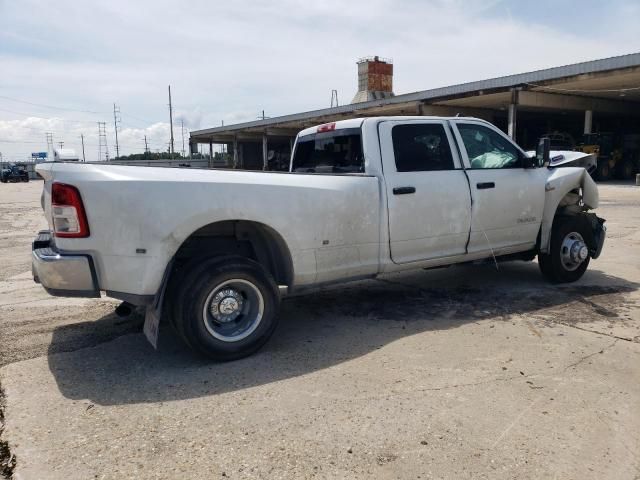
403 190
485 185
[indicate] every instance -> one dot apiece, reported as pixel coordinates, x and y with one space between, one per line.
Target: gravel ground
465 372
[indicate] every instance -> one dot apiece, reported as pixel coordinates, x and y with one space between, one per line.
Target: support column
265 152
513 111
235 152
210 154
291 141
588 121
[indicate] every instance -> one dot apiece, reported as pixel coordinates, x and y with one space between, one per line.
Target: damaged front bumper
61 274
599 232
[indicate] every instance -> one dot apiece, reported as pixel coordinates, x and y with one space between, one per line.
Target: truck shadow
321 329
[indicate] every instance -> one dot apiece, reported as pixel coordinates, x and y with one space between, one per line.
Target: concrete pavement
465 372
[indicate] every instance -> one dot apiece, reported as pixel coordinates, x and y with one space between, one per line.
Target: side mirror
543 152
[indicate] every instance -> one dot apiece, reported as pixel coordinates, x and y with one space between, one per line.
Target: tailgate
45 170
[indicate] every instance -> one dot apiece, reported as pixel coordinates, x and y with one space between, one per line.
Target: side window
488 149
421 147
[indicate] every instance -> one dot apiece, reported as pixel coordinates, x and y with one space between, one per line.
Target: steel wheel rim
573 251
233 310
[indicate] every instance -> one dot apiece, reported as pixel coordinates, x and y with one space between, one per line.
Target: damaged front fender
567 190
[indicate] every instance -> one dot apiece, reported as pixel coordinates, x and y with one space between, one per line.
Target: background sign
38 154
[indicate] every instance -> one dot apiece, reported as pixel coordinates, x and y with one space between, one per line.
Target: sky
64 64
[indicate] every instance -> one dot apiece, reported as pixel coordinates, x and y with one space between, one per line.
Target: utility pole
82 139
171 148
49 143
146 147
116 120
182 130
61 144
102 141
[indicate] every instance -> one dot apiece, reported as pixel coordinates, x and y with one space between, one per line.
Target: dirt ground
465 372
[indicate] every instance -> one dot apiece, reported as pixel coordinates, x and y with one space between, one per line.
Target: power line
82 121
141 119
51 106
43 118
153 144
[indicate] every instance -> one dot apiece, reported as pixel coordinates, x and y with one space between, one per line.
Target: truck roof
357 122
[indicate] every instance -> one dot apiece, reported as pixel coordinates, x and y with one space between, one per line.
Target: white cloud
230 60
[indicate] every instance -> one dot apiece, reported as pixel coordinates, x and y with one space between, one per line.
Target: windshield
339 151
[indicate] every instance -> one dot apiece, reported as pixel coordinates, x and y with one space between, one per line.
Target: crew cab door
428 199
508 199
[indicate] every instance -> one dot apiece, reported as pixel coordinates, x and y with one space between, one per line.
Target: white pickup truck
215 250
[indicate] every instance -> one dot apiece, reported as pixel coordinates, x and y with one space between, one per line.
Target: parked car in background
215 250
14 173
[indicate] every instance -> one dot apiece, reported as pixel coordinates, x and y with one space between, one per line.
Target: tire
603 171
225 308
559 266
625 169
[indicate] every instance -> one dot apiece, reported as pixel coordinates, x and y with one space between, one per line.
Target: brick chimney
375 79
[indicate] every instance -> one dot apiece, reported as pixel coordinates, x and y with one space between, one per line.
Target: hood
569 158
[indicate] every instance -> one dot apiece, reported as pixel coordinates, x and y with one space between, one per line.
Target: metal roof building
597 95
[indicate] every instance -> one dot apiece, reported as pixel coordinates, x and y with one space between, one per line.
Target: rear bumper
61 274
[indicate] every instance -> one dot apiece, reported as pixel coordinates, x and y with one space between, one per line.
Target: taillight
69 217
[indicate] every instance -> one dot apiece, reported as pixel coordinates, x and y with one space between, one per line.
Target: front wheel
227 308
568 256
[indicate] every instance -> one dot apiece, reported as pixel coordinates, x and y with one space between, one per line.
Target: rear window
339 151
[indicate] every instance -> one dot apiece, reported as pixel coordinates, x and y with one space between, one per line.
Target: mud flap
153 312
152 325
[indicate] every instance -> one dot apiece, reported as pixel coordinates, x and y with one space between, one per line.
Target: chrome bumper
60 274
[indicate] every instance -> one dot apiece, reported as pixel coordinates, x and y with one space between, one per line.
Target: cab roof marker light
327 127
